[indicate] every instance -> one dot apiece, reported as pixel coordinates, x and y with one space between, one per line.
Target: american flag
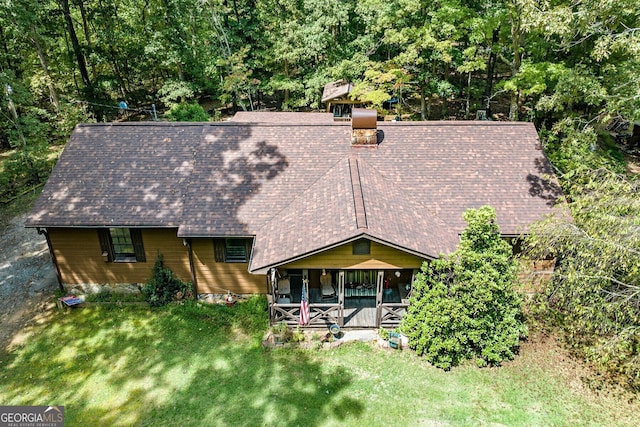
304 305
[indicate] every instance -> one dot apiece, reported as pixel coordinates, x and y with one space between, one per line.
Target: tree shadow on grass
191 365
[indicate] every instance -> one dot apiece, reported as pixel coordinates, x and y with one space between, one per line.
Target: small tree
187 112
464 305
163 286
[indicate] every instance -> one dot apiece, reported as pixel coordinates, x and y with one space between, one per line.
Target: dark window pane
362 247
236 250
122 244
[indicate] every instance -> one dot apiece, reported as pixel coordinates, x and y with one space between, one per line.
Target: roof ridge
140 124
358 197
204 125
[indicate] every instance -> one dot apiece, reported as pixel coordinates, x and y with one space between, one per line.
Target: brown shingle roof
320 216
299 188
341 207
246 173
120 175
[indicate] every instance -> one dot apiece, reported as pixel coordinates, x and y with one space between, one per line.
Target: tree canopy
594 293
446 58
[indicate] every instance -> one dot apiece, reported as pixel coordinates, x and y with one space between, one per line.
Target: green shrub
280 328
187 112
164 286
298 335
464 305
383 333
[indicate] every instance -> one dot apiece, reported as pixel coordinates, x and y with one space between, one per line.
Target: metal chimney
364 127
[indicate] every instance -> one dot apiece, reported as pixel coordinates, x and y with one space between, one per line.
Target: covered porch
360 298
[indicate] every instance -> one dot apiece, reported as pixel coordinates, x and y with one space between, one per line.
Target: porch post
379 287
341 297
271 288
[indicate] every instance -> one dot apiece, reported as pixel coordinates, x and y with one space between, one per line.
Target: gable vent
364 127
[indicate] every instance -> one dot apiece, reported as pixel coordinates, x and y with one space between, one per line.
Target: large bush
164 286
464 305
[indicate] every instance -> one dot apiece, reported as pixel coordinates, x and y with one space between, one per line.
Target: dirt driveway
27 280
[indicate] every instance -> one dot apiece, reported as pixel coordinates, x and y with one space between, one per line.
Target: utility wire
153 111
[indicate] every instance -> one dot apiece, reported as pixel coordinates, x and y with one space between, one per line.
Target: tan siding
381 257
80 258
218 277
80 261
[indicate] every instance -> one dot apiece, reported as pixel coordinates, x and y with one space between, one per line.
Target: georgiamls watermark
31 416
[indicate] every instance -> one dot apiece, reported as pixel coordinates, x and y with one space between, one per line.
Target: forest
569 66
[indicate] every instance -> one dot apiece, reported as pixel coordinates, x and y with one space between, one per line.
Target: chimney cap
362 118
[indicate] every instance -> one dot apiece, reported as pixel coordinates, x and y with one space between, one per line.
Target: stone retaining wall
93 288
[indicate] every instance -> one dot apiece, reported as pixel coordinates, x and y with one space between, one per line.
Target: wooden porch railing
320 315
390 314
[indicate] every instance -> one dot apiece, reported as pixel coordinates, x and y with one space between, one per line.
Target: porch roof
336 90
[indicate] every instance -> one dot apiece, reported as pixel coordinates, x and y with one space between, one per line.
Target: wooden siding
381 258
80 259
218 277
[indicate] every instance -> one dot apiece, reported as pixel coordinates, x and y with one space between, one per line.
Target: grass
195 364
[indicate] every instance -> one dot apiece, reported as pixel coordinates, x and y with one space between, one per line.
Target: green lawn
204 365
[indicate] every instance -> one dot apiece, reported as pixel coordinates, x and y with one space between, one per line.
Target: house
262 202
335 95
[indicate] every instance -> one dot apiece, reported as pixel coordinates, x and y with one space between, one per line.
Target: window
122 245
232 250
361 247
236 250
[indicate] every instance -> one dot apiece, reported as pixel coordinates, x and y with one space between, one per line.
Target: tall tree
77 50
33 36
